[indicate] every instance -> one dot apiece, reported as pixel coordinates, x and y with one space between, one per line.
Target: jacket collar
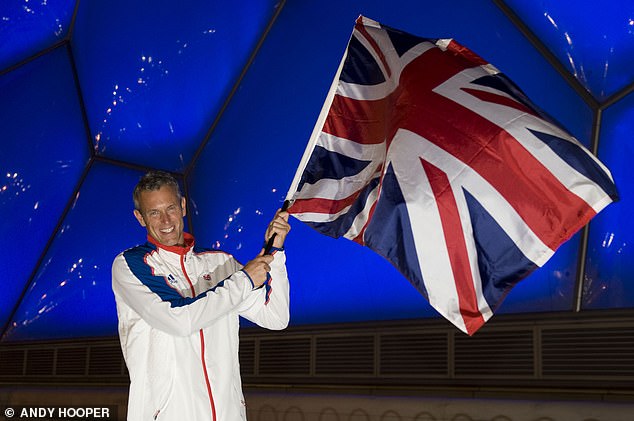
189 244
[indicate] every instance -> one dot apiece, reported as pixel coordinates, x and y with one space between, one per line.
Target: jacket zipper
202 345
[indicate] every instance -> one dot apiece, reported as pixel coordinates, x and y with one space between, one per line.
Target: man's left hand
278 226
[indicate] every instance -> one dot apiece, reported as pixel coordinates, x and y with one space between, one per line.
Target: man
178 308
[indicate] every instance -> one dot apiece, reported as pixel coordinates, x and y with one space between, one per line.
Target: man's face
162 215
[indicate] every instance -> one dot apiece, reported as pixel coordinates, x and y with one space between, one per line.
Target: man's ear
184 206
139 217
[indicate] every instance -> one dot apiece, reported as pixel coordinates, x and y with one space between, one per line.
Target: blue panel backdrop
153 78
244 172
610 263
155 75
71 295
43 153
26 28
594 40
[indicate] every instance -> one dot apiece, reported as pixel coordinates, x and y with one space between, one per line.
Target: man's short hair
151 181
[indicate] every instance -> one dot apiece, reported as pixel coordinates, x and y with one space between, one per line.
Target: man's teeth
167 230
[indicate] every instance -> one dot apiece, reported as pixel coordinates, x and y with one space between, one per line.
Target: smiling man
161 212
179 306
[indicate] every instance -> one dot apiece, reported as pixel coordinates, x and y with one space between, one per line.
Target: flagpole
319 125
311 144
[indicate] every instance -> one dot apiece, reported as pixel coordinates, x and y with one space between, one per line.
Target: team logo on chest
207 279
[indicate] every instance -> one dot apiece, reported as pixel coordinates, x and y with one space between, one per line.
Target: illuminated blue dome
225 96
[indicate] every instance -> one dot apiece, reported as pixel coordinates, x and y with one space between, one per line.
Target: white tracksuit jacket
178 311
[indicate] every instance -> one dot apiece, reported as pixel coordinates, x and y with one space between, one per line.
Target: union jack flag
431 157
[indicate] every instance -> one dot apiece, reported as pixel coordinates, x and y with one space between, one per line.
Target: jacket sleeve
164 308
268 306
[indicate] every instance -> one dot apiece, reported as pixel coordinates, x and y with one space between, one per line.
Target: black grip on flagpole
269 244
